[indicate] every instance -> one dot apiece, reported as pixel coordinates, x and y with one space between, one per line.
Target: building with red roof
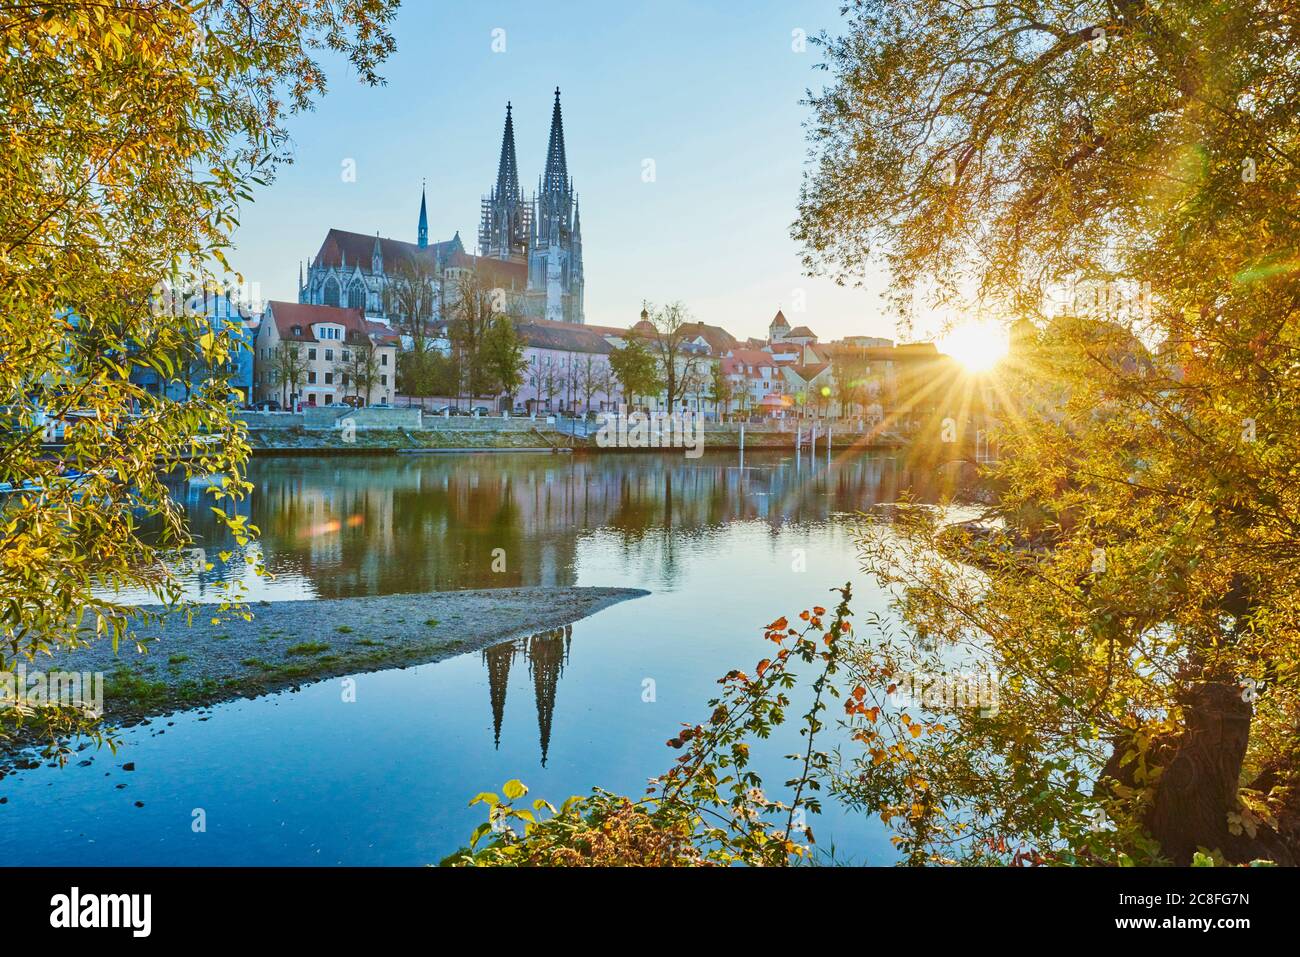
339 355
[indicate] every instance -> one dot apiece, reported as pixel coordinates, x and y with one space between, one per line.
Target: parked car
381 405
481 410
266 405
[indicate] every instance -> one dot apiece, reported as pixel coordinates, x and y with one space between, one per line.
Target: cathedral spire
507 168
503 217
556 177
498 659
422 237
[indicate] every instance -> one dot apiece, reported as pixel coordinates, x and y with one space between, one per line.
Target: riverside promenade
414 430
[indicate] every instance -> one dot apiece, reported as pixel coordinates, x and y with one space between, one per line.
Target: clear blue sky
710 91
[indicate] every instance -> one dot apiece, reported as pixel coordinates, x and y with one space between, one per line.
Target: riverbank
543 439
291 642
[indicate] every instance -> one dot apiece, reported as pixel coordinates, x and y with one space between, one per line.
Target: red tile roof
801 332
754 357
810 371
290 314
511 275
562 337
719 339
356 249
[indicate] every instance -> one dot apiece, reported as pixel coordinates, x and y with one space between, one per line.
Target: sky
711 95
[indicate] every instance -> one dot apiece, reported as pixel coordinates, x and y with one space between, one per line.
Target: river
302 777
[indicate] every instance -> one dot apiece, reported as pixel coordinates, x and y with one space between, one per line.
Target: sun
978 346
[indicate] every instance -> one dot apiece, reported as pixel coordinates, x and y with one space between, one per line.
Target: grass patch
307 648
178 659
125 687
369 643
431 622
343 630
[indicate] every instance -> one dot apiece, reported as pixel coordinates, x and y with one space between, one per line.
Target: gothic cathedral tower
555 237
503 230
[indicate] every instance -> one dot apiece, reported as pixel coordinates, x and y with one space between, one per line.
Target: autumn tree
635 368
502 358
668 339
358 365
288 370
413 302
1119 178
133 132
720 390
591 379
473 313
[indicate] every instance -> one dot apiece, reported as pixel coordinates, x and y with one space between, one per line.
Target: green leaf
515 788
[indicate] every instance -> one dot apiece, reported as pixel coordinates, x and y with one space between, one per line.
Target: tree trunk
1198 787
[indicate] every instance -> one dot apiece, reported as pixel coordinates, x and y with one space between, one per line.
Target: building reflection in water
546 652
342 527
337 527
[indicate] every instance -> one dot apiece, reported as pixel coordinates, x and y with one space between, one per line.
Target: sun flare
977 345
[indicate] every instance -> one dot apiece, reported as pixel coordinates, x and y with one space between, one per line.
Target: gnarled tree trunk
1201 775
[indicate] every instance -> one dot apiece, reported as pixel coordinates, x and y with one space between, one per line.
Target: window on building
311 355
347 356
296 330
356 296
311 378
329 378
329 355
383 380
383 359
331 297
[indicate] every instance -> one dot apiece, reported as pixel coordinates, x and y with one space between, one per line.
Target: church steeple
556 177
507 168
504 221
422 237
555 253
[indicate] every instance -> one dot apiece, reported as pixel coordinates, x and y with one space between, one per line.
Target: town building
222 312
342 356
567 368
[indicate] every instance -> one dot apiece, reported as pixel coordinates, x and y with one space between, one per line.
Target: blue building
221 312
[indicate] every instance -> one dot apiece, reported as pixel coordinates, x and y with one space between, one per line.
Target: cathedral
530 246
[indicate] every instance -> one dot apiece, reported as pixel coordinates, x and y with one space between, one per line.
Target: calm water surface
304 778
